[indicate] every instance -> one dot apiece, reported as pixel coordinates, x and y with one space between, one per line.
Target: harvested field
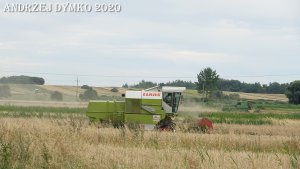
260 96
43 103
30 92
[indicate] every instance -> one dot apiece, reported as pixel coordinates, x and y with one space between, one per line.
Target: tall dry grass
72 143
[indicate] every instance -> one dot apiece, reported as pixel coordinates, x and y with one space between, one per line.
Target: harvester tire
166 124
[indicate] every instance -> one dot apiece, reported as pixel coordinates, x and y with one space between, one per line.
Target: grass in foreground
70 143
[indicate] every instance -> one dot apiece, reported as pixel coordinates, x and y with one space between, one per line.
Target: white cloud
189 57
244 9
14 62
200 57
232 28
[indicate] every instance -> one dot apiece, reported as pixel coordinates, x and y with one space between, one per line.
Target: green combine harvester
151 108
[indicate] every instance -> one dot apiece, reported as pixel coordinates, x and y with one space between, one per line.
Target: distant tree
276 88
144 84
229 85
181 83
85 87
223 85
5 91
207 81
237 86
114 90
23 80
125 85
253 88
89 94
293 92
57 96
37 80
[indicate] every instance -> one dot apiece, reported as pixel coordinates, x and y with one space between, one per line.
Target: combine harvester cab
151 108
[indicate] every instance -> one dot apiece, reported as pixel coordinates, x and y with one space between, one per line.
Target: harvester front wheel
166 124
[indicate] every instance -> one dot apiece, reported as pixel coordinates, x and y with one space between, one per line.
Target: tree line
221 84
209 83
237 86
22 80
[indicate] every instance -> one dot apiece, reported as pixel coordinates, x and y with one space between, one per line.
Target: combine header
151 108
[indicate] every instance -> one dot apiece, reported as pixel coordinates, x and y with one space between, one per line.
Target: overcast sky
157 40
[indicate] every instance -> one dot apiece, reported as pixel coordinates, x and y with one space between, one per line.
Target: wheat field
64 139
73 143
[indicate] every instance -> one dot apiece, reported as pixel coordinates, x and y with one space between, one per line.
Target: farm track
43 103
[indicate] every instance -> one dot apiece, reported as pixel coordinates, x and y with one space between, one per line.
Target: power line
97 75
270 75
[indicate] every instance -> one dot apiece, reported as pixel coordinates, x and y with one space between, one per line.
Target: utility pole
77 81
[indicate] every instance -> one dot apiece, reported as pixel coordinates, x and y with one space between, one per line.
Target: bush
4 91
57 96
89 94
293 92
23 80
86 87
125 85
114 90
